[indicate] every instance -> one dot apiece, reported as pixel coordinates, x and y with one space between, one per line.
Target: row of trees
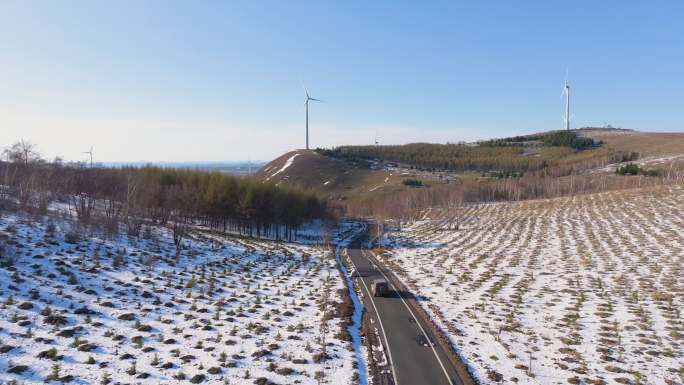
516 154
177 197
455 157
411 204
552 138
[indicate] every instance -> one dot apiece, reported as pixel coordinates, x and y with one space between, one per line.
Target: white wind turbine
91 155
566 93
308 98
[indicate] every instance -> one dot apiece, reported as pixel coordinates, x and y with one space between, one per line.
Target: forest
411 204
552 138
128 197
516 154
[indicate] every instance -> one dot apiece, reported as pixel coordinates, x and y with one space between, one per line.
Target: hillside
363 173
517 154
656 149
336 177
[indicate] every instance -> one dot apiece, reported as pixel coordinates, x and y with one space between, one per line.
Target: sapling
106 379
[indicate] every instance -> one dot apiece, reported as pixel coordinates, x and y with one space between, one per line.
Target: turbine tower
308 98
566 93
91 155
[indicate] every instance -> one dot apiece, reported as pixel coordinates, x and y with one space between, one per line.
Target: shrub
54 375
8 255
106 379
320 357
132 370
411 182
628 169
50 354
285 371
19 369
635 169
72 237
55 319
50 229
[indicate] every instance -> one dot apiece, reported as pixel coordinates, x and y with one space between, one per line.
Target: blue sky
210 80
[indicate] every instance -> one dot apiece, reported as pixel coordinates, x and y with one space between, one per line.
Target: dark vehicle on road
380 288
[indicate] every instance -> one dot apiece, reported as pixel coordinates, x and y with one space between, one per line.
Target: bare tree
23 152
454 207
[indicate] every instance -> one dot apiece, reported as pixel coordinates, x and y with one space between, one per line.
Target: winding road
414 358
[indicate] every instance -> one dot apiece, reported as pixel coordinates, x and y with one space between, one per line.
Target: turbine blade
305 91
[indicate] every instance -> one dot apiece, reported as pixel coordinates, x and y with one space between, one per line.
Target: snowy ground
664 164
228 310
584 290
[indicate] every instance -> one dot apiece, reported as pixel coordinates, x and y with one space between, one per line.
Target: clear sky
221 80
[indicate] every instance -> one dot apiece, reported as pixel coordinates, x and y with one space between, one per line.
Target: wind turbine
566 93
91 155
308 98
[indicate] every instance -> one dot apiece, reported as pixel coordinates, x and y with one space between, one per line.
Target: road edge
441 339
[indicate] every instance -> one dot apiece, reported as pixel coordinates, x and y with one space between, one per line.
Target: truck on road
380 288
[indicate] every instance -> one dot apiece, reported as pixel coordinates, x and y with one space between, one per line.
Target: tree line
131 196
515 154
552 138
430 156
411 204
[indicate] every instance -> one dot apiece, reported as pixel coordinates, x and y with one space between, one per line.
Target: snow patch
287 164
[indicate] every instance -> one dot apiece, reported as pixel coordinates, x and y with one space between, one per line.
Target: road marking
446 374
382 328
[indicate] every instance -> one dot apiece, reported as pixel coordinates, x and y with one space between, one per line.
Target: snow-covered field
584 290
126 310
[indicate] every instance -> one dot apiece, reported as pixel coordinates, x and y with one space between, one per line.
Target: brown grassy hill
335 177
309 170
658 149
365 177
646 143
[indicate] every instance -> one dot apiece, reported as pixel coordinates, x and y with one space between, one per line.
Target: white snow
261 303
287 164
589 287
354 330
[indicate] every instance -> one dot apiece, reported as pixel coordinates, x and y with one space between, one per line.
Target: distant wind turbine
91 155
566 93
308 98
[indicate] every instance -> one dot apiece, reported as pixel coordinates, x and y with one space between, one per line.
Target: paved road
415 362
